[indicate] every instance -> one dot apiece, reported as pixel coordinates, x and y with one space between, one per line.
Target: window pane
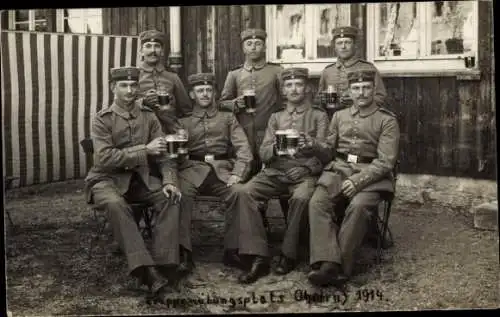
40 14
452 27
22 15
22 27
398 29
329 16
41 26
75 25
290 22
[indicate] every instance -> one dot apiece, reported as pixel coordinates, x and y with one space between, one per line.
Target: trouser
330 243
263 187
166 234
235 201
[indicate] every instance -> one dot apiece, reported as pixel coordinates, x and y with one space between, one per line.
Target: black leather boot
330 273
258 269
186 265
150 277
284 265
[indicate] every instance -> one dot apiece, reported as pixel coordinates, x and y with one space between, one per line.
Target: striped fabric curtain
52 86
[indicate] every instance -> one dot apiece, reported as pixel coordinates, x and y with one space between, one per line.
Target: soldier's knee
299 197
319 201
359 206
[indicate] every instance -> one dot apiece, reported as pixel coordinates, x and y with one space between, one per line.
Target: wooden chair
140 211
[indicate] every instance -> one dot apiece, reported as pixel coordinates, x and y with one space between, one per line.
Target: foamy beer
163 97
281 142
249 98
292 141
172 145
331 98
182 139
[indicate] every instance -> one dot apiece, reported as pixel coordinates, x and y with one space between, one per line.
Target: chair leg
10 221
263 212
148 219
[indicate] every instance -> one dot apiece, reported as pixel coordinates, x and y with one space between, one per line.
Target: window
28 20
302 33
82 21
67 20
439 33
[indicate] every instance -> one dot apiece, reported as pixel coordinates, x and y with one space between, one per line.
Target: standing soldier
155 79
209 168
334 76
127 137
364 140
295 174
261 78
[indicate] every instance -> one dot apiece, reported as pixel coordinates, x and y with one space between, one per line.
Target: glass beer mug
281 144
163 96
250 102
292 141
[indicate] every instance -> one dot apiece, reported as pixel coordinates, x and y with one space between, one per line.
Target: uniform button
355 121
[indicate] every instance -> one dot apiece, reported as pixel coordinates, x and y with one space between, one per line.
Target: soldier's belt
203 158
351 158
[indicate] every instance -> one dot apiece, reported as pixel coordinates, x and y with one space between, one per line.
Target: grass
438 262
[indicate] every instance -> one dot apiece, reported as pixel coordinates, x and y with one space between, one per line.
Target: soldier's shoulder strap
274 64
236 68
330 65
388 112
105 110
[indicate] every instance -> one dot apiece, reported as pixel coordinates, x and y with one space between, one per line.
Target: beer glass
281 142
470 61
182 139
331 98
292 141
249 98
163 96
172 145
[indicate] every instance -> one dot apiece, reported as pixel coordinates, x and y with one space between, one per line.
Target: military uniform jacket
264 78
152 77
217 133
336 75
305 118
375 135
120 138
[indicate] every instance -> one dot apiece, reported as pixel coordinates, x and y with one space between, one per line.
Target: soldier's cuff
139 154
357 180
169 178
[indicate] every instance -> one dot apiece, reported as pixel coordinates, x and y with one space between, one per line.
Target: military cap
124 73
253 34
360 75
152 36
201 79
294 72
345 31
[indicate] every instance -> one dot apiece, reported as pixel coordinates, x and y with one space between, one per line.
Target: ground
439 261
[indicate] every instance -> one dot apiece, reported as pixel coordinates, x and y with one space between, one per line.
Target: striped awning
52 85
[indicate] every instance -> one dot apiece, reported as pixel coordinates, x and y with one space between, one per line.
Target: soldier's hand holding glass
306 142
173 193
156 147
151 98
348 188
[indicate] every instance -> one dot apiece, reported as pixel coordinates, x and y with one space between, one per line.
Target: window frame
446 63
311 11
32 22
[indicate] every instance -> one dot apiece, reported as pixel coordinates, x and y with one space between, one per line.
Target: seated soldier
210 168
126 136
364 141
295 174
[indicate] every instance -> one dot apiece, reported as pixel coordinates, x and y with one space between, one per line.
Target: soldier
284 174
154 77
335 75
364 140
209 168
126 136
262 77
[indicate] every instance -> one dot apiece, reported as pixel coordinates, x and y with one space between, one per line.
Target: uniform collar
299 109
248 66
134 113
355 110
348 63
159 67
200 112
